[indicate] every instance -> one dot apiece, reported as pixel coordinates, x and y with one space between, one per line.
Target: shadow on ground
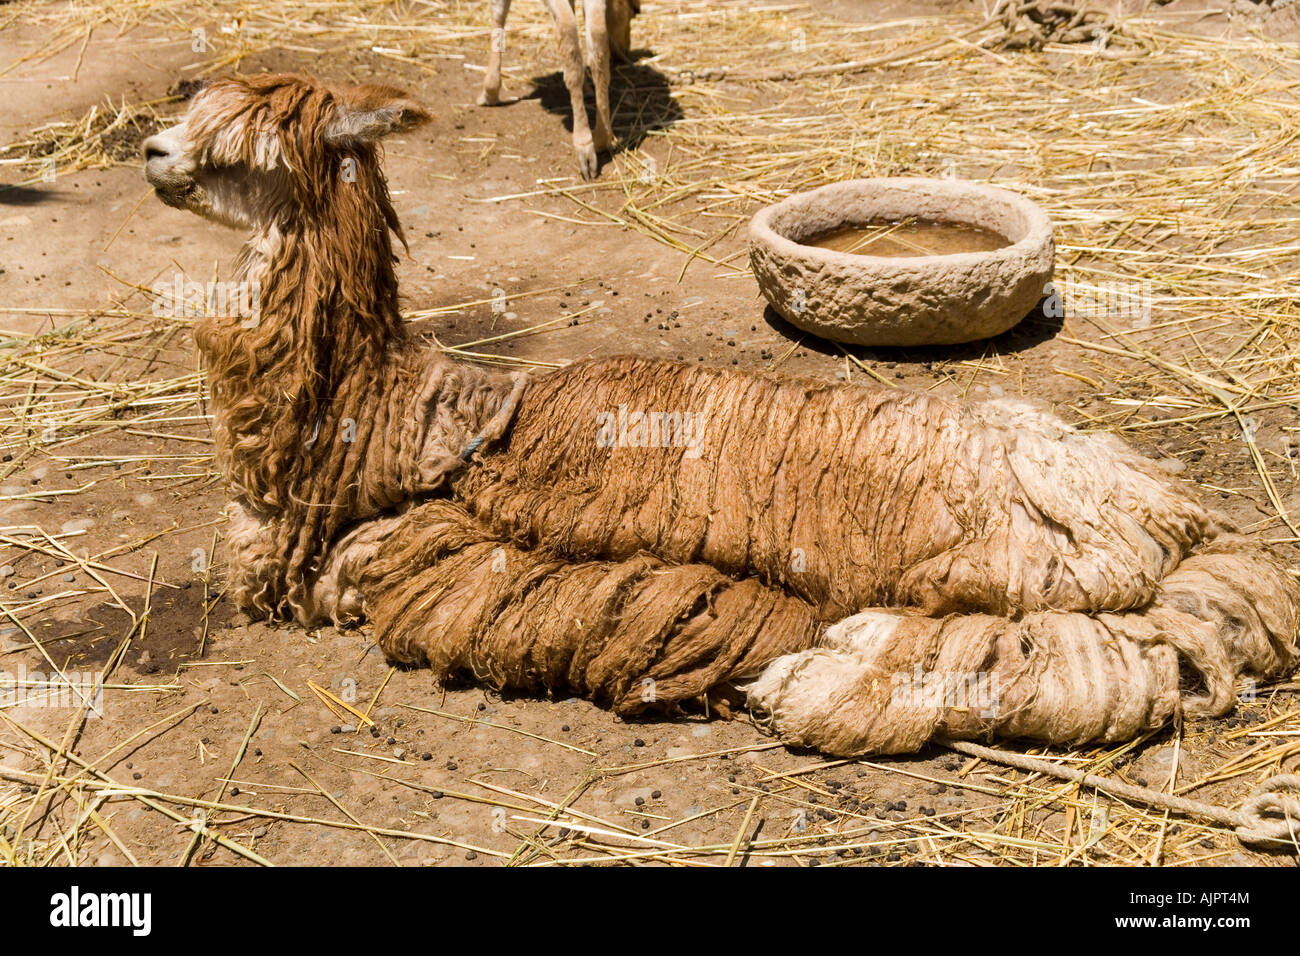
640 99
1034 329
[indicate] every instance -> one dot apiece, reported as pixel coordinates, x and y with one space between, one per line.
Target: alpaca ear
373 113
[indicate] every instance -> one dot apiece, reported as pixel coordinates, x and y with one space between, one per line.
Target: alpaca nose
156 149
164 162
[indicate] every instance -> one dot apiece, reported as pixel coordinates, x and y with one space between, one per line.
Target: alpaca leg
254 560
618 19
492 81
1247 596
598 58
566 35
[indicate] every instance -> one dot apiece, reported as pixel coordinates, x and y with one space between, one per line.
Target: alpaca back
611 545
847 497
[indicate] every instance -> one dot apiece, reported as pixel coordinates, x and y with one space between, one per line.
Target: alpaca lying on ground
609 31
648 533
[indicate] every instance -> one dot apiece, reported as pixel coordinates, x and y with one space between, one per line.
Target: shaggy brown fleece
326 410
644 531
844 499
849 497
631 634
886 681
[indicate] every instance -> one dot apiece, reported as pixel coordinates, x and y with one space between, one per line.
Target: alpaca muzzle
167 169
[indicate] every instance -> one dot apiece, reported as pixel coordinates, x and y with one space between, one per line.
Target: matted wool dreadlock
648 532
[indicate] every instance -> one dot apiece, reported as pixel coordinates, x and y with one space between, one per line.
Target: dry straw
1169 161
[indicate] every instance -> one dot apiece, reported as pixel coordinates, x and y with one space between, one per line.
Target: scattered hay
107 135
1032 24
1167 159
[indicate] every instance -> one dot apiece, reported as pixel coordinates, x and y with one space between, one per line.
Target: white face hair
214 183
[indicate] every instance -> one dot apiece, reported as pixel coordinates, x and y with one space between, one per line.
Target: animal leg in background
598 58
491 94
609 35
575 73
618 18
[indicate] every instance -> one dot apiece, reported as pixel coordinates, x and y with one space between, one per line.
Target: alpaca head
269 151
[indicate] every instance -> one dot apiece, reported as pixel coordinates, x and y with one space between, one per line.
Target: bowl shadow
1034 329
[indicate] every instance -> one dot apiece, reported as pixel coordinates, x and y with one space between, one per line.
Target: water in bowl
909 237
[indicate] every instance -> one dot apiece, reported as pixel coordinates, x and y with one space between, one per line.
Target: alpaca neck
327 306
327 411
325 324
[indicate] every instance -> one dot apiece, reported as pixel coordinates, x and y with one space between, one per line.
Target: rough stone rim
941 299
1038 226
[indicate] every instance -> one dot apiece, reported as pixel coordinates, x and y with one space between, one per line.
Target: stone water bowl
941 299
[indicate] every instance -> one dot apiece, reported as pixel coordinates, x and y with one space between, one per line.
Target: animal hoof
488 98
588 162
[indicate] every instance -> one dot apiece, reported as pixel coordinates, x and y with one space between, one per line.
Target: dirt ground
452 774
